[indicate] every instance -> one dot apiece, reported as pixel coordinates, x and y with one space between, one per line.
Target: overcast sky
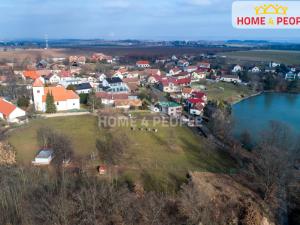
126 19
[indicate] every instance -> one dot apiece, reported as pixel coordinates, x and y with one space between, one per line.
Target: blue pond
255 113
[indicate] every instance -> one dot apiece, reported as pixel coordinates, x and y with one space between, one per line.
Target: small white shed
44 157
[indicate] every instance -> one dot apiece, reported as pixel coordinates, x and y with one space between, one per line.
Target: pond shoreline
262 92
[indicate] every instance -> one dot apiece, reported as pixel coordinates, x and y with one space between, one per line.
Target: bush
23 102
83 98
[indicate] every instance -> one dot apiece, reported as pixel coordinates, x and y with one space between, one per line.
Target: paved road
65 114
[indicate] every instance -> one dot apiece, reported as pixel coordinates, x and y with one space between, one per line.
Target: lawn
287 57
158 160
225 91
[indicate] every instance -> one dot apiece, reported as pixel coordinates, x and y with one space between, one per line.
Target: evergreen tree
50 105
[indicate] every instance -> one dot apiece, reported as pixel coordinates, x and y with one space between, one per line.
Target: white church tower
38 92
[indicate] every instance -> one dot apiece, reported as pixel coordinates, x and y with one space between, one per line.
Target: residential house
195 106
77 60
255 69
44 72
230 78
30 74
191 69
114 84
109 98
65 75
150 72
63 99
172 109
290 76
174 71
182 75
172 84
42 64
132 74
101 77
132 83
52 78
102 57
70 81
143 64
154 79
270 70
203 65
127 103
83 88
183 63
198 75
273 64
237 68
186 92
11 113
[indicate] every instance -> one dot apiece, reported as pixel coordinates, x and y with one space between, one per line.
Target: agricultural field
222 91
159 160
133 51
287 57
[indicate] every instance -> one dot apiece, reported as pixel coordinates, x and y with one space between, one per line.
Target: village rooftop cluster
168 80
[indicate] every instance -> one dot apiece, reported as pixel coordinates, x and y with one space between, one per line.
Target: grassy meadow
287 57
225 91
158 160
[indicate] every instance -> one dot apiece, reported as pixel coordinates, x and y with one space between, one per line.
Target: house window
73 103
38 91
57 103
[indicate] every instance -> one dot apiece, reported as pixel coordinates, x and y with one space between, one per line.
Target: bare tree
272 166
112 148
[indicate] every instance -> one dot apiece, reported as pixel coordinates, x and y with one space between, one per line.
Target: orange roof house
31 74
38 83
10 112
6 108
63 98
127 103
59 94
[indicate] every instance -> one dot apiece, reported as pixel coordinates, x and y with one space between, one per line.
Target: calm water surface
255 113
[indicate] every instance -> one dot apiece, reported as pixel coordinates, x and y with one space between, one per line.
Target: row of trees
33 197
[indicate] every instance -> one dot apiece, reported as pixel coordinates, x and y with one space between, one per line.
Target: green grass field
287 57
225 91
159 160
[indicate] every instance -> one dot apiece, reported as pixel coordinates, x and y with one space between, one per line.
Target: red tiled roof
65 73
130 102
38 83
59 94
195 100
131 80
143 62
187 90
111 96
198 94
152 71
32 74
6 108
43 72
201 70
173 80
